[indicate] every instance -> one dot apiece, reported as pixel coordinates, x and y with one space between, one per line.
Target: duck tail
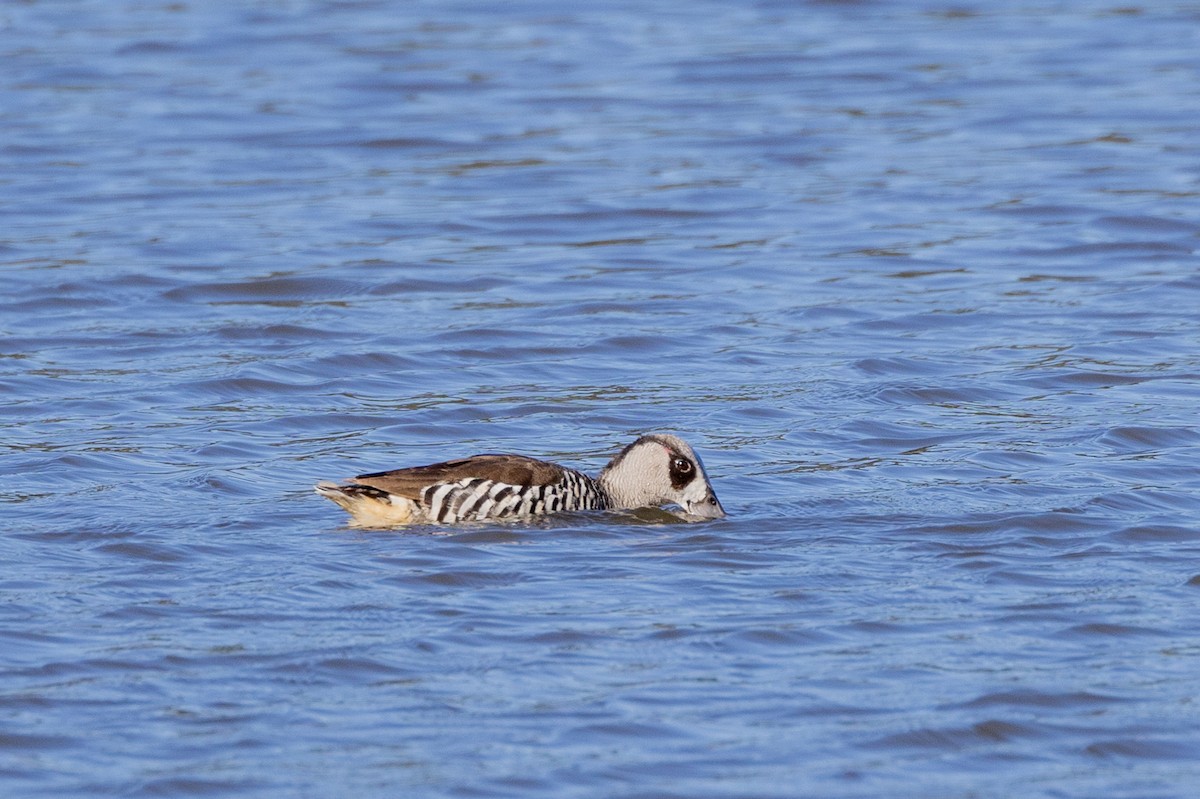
368 506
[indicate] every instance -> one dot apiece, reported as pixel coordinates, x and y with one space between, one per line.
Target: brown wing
514 470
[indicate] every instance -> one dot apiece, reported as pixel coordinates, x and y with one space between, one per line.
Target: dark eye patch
682 471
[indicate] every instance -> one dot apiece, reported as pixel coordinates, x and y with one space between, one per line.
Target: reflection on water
917 283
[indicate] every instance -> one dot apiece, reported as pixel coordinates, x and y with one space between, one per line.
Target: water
918 281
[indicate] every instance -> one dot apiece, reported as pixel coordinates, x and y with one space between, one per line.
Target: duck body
654 470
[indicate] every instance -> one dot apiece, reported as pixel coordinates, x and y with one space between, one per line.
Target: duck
655 470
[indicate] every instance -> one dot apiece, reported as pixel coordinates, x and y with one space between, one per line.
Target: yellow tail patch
370 510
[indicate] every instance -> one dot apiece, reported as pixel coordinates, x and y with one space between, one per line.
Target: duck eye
681 465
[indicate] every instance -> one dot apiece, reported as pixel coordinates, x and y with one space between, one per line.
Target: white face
689 483
661 470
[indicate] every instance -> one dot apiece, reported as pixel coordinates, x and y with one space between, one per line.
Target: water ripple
919 285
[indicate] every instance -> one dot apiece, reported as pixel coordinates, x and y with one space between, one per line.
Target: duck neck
626 483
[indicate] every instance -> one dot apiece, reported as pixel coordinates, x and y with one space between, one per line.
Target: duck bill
709 507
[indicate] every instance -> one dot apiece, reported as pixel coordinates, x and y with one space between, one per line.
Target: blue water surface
918 281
